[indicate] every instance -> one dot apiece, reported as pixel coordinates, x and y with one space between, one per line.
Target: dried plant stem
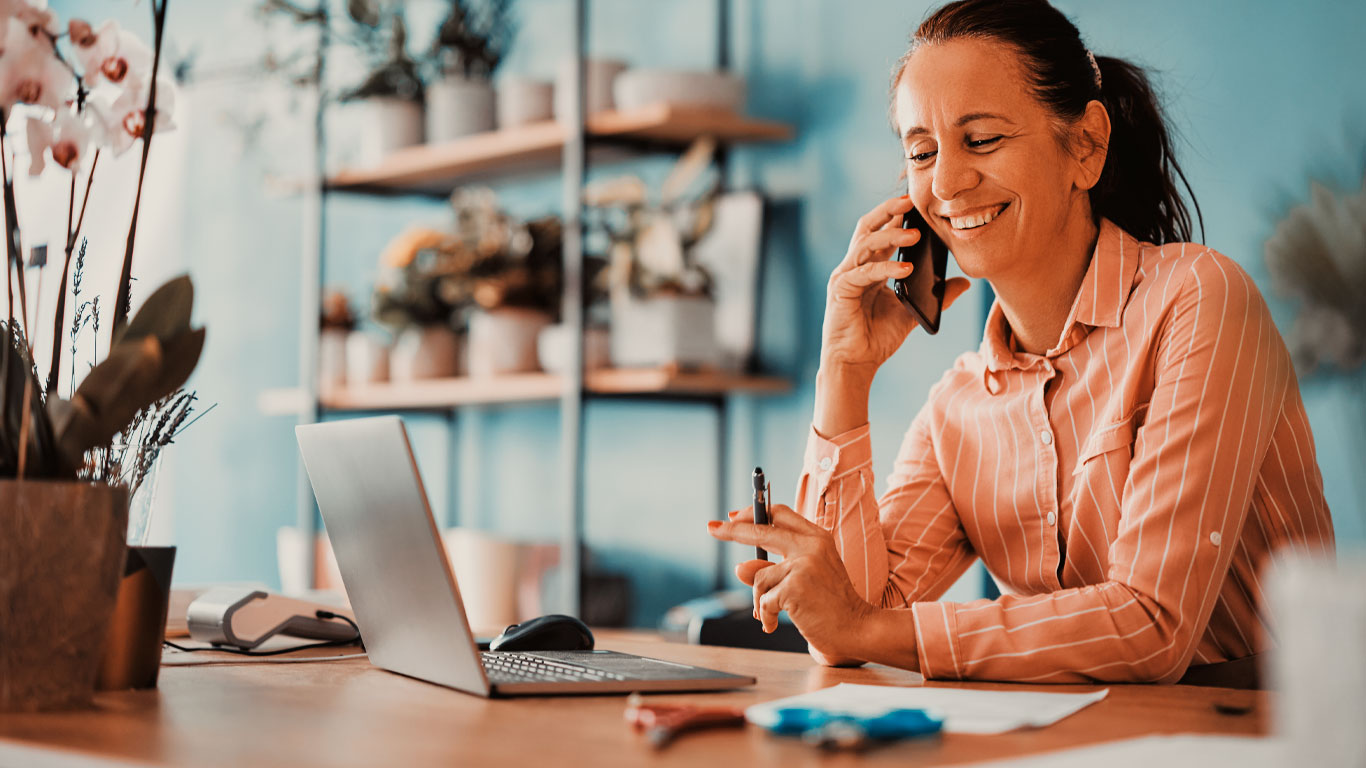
122 299
54 370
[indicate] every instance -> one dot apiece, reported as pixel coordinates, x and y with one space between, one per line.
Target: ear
1092 143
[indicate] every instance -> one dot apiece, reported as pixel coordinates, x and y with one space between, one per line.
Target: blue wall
1254 88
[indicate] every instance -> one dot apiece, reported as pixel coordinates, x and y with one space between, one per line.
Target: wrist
887 636
841 399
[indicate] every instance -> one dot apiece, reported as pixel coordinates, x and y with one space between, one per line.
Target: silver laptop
403 591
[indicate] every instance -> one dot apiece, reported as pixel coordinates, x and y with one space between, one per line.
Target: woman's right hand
864 321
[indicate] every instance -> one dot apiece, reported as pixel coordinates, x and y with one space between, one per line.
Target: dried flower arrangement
648 243
129 405
1317 255
489 260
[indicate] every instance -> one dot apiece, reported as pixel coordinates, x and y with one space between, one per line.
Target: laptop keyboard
512 667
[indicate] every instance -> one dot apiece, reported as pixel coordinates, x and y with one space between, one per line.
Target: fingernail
731 514
756 614
713 524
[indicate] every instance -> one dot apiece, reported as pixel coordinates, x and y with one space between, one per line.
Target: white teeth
975 220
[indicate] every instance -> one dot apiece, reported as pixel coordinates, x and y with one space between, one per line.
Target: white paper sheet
962 710
1180 751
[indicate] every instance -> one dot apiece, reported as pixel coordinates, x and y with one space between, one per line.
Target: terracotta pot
61 559
430 352
503 340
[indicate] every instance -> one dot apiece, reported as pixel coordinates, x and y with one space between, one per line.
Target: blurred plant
473 38
649 243
1317 255
337 314
489 260
114 100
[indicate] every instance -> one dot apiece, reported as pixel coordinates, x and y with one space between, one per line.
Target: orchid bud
81 33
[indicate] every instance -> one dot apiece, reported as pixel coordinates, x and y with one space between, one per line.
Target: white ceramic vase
427 352
663 330
522 101
367 359
386 125
599 76
332 359
552 348
503 340
459 106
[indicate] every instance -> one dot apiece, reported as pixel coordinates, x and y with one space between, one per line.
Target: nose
954 174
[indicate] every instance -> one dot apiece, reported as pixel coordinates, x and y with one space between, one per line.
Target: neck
1037 300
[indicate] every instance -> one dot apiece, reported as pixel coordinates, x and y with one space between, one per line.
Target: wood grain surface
349 713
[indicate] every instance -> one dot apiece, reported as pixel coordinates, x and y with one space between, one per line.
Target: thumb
955 287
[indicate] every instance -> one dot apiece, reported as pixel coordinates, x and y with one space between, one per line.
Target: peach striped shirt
1123 489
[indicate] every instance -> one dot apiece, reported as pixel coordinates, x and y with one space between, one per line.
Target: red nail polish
713 524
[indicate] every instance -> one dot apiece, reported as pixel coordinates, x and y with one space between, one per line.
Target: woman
1125 449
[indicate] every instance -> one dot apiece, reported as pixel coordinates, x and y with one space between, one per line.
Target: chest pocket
1112 437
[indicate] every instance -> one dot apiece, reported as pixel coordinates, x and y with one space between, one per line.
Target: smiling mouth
973 221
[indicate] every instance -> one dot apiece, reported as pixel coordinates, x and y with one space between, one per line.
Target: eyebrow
960 122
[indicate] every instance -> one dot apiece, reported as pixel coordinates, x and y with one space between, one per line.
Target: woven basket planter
61 560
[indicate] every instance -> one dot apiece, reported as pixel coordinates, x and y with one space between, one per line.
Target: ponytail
1138 188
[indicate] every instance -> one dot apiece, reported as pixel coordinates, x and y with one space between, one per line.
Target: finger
770 605
886 211
771 537
877 246
747 570
855 282
745 515
955 287
784 516
765 580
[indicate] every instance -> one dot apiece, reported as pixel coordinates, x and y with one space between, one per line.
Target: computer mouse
555 632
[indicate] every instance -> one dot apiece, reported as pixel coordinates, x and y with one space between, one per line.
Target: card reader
244 618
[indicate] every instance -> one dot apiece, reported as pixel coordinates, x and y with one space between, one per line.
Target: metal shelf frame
574 395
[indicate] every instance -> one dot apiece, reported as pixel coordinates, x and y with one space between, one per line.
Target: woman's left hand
810 583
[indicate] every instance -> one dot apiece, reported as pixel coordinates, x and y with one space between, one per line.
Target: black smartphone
923 290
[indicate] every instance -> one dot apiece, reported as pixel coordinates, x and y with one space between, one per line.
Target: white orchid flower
30 71
122 114
30 14
111 53
68 137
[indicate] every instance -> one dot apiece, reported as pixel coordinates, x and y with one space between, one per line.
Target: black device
923 290
555 632
761 499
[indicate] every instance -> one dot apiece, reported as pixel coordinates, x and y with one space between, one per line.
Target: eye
983 142
920 157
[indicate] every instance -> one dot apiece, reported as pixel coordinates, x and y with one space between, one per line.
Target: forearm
841 399
888 637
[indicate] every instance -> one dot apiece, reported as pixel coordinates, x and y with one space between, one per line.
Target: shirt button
827 463
1215 538
1046 437
1052 518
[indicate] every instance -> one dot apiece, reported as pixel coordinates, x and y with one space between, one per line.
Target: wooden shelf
438 168
440 394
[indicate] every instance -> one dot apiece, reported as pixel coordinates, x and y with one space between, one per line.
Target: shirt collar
1100 301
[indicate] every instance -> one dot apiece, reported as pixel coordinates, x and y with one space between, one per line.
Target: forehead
944 81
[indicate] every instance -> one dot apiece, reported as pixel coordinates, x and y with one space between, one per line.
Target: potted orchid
70 456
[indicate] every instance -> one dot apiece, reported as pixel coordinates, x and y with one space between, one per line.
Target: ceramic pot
664 330
132 651
367 359
386 125
642 87
599 75
331 359
61 558
503 340
459 106
522 101
552 349
428 352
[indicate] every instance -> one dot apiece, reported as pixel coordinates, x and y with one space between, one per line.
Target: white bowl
636 88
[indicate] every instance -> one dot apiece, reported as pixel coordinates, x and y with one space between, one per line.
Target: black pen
761 497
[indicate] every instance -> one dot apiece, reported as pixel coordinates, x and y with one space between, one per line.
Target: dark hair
1137 188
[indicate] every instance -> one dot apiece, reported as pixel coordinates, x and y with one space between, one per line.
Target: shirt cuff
936 627
828 460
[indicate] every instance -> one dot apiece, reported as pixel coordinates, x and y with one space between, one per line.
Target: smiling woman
1123 452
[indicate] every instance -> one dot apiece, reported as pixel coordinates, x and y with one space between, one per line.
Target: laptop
403 591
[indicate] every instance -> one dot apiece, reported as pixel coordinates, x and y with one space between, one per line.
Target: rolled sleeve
936 627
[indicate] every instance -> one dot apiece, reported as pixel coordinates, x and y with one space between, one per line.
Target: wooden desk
350 713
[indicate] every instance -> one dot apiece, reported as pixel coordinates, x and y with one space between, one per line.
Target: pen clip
768 502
